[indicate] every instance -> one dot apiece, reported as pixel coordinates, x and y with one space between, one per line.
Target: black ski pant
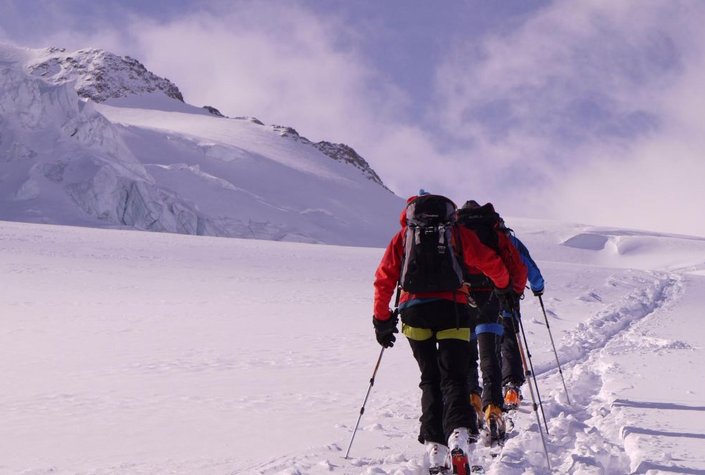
488 331
512 366
438 333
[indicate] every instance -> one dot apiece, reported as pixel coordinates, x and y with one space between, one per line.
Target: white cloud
292 67
584 110
282 64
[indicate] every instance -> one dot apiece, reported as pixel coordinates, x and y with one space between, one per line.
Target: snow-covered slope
89 138
124 352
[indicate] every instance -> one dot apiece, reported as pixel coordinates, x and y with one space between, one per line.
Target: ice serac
93 139
62 162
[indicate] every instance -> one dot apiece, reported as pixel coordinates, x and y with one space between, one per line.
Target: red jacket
518 271
475 254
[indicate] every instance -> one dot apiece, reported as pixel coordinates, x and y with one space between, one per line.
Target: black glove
385 330
508 299
537 293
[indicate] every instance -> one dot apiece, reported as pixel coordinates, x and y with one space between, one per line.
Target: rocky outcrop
337 151
100 75
346 154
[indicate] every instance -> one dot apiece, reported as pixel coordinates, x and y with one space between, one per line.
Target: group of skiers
459 275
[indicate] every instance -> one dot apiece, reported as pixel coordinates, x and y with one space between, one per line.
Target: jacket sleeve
517 269
536 281
387 276
476 254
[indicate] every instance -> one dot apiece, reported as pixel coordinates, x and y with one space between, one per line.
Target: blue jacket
535 278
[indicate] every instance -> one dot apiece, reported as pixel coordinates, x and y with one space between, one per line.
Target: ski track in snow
651 291
584 437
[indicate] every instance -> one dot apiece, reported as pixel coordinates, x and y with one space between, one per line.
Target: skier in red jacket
438 327
485 223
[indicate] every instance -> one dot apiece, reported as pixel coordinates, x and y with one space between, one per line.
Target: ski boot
459 446
496 427
437 458
512 397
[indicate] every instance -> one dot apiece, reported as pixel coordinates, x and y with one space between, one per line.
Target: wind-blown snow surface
142 159
131 352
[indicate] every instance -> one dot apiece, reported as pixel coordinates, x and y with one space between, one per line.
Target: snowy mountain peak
135 155
100 75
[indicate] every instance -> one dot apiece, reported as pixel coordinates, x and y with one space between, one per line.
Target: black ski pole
362 409
560 370
527 373
531 366
372 379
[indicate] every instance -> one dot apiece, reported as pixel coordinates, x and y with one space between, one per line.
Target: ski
457 464
509 423
495 443
438 470
474 469
492 440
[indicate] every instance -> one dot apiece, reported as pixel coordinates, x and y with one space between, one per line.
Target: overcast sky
588 110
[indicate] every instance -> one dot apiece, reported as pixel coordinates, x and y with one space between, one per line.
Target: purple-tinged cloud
582 112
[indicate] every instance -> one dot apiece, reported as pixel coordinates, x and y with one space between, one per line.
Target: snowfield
136 353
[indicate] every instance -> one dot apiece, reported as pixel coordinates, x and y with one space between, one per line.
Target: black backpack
486 223
430 263
484 220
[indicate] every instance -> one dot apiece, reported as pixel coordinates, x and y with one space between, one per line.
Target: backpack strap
458 247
